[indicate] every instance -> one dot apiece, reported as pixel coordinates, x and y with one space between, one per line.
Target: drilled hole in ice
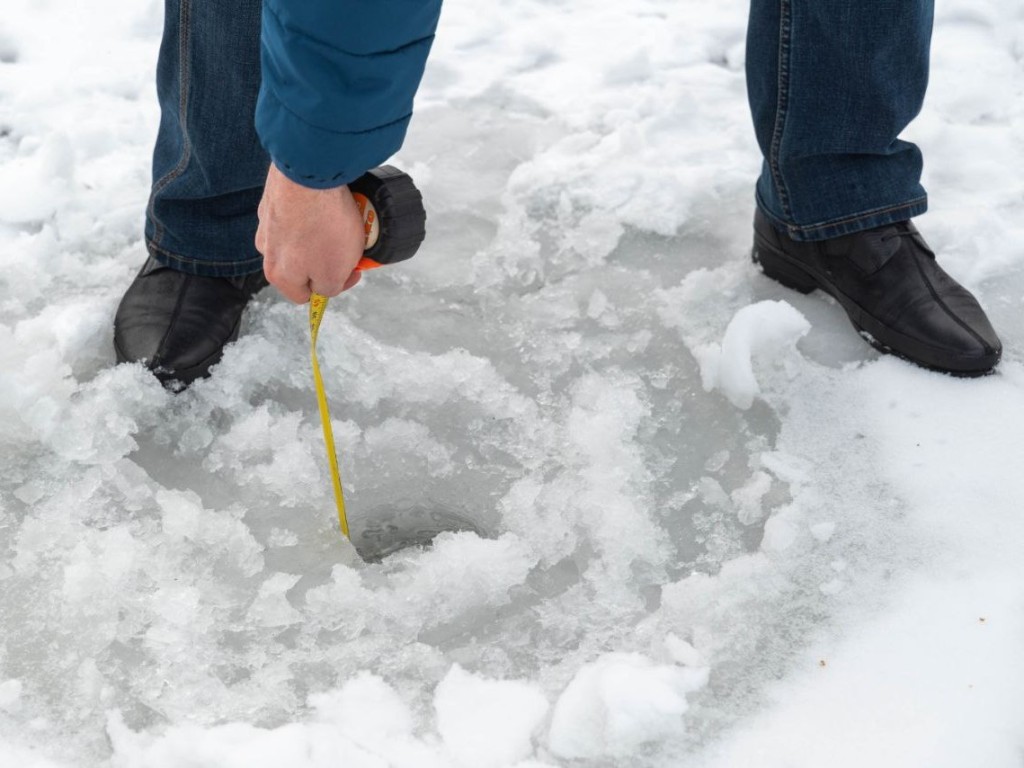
387 529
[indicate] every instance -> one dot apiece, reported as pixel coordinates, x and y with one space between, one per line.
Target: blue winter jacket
339 78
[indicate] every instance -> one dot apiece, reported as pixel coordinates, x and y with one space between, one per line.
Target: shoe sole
790 273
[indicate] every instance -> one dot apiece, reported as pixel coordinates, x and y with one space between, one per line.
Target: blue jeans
208 166
832 84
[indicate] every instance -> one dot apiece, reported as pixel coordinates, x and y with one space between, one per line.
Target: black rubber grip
400 212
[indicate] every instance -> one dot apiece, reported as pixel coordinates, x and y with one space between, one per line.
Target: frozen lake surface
716 528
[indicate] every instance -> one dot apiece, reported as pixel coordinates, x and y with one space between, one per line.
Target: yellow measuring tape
317 307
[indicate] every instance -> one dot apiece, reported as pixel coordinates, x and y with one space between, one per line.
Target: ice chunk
748 498
763 330
462 571
280 537
787 467
410 437
780 532
195 438
271 607
683 652
712 493
98 426
30 492
618 703
34 185
96 567
717 461
488 723
823 531
274 450
10 695
832 587
597 305
602 426
79 330
186 521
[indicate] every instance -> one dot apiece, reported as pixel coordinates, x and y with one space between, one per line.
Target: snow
715 527
10 695
620 702
487 723
764 330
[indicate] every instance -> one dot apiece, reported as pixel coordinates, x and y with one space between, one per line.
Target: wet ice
652 564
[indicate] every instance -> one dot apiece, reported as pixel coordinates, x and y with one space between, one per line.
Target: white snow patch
761 332
533 368
488 723
35 184
366 710
618 703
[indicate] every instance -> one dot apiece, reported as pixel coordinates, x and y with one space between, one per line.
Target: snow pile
715 529
619 703
763 330
488 723
610 709
34 186
364 725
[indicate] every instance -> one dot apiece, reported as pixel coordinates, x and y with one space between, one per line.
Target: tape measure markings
317 307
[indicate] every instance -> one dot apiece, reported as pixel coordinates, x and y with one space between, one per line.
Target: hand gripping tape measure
395 223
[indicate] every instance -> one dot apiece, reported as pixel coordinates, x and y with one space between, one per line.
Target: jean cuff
847 225
203 268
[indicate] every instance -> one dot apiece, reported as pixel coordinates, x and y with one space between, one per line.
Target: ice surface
816 562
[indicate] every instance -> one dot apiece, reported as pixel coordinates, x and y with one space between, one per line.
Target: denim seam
201 262
184 92
782 105
859 216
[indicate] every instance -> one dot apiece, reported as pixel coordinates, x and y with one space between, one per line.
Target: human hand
311 239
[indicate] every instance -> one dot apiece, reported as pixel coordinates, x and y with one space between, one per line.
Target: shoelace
905 229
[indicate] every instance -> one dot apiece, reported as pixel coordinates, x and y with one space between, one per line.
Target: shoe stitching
175 314
858 217
906 306
938 300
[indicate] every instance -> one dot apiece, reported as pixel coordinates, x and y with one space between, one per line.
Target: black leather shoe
178 324
893 291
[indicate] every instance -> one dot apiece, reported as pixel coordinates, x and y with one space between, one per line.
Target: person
250 168
250 172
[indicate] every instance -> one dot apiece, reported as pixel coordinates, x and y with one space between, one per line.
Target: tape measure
395 223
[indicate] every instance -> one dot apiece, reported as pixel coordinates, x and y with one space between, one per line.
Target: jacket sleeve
339 78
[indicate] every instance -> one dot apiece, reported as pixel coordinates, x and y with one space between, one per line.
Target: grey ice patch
387 530
8 50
